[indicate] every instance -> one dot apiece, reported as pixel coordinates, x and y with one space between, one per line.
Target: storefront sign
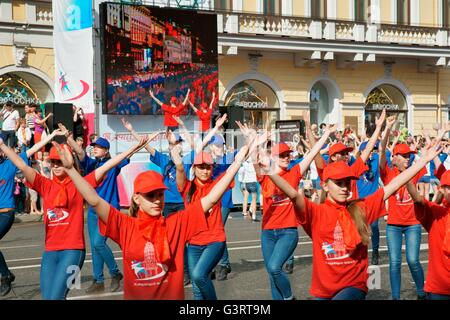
290 130
383 106
252 104
20 100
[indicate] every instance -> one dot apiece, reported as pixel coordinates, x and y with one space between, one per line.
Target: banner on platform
74 53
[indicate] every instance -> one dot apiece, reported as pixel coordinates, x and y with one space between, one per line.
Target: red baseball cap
338 148
53 154
203 157
173 100
337 171
149 181
402 148
280 148
445 179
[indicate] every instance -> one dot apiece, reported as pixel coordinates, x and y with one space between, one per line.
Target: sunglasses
284 155
56 163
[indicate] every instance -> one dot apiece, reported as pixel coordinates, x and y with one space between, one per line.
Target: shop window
259 101
272 7
446 13
362 10
224 5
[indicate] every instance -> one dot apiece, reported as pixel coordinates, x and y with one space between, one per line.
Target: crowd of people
334 184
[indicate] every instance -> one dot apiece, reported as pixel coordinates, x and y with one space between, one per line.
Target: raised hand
142 143
221 120
306 116
151 93
58 132
432 152
331 128
379 121
390 121
152 136
64 154
127 125
63 129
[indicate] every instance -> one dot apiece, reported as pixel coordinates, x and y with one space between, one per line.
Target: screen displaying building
167 51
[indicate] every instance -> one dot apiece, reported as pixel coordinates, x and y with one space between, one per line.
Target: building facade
344 60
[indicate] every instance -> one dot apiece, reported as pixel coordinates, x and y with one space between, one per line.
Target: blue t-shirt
108 189
368 183
294 162
442 157
169 172
220 166
7 184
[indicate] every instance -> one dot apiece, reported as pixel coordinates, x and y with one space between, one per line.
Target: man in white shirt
10 118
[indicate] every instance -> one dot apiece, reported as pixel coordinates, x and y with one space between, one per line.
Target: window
226 5
403 12
319 9
272 7
362 10
446 13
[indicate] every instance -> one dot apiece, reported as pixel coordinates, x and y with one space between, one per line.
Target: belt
5 210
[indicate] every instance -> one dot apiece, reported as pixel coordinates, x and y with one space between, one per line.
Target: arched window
259 101
389 97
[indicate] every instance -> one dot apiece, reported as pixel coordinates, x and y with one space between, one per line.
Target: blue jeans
349 293
202 260
57 269
277 246
225 260
6 221
375 235
101 252
412 244
435 296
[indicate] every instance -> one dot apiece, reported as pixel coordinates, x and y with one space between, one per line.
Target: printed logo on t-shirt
2 182
403 199
150 268
335 250
56 215
279 199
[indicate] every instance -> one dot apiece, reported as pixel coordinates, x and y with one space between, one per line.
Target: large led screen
163 50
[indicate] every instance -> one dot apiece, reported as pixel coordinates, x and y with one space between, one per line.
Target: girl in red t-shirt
279 235
63 218
153 246
204 113
340 228
435 219
172 109
206 248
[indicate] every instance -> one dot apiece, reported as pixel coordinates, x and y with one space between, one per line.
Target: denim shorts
425 179
251 187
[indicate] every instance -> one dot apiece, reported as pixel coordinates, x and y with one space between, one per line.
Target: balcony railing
44 14
244 23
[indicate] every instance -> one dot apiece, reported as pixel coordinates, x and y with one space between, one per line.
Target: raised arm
192 106
409 173
27 171
100 172
186 98
184 131
373 139
221 186
75 114
41 122
304 165
296 196
211 133
72 143
88 192
415 195
46 139
178 161
127 125
382 151
155 98
211 104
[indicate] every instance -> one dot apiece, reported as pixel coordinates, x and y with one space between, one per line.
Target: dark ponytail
133 209
191 192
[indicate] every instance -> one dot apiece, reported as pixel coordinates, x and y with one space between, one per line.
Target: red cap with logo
445 179
402 148
53 154
203 157
280 148
337 171
149 181
338 148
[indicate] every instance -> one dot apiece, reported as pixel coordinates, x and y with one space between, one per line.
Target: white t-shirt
9 120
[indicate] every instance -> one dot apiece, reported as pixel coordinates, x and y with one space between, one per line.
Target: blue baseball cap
101 142
217 140
363 145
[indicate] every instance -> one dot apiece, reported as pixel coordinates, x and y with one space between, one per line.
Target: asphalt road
23 247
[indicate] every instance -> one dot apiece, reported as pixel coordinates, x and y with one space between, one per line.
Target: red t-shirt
169 112
333 267
144 277
64 227
216 230
400 204
440 171
205 118
358 168
433 217
278 209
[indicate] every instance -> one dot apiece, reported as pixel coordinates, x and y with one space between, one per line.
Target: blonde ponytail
133 209
359 219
